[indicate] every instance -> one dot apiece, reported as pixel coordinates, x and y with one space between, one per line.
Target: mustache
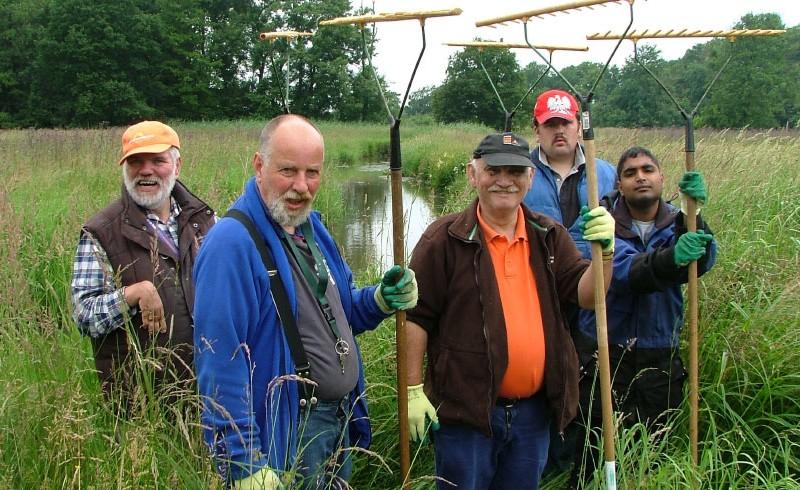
297 196
508 190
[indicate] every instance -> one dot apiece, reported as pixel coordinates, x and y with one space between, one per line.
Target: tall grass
57 432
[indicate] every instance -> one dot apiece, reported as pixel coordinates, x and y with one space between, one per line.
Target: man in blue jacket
559 191
263 421
644 303
559 187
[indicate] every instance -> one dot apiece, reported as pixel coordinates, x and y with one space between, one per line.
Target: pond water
366 232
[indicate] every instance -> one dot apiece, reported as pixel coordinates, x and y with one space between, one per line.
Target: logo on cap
559 103
509 140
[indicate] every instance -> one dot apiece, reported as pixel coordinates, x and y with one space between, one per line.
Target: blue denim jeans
513 458
323 459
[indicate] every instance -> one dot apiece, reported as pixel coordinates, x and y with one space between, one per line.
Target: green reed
56 431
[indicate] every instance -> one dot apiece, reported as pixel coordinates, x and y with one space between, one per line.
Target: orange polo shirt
520 299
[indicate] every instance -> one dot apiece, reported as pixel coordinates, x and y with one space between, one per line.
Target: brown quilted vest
136 255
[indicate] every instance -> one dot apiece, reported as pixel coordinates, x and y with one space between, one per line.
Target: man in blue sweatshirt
283 393
644 304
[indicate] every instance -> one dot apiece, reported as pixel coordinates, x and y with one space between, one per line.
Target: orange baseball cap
148 137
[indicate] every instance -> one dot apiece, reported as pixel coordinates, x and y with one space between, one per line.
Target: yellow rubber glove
598 226
418 408
263 479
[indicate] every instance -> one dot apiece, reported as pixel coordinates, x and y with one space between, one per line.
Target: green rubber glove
598 226
397 290
418 408
263 479
693 186
690 247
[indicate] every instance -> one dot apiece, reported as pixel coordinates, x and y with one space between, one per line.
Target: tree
421 101
467 95
760 85
638 100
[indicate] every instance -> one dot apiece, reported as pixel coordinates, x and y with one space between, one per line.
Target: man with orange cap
132 273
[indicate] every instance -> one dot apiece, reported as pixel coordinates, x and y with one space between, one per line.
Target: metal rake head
636 35
551 10
390 17
272 36
503 45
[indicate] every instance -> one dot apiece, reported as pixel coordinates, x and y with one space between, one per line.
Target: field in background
55 431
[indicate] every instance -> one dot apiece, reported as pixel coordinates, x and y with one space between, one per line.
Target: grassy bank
55 432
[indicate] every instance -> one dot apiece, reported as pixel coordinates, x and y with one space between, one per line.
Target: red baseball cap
555 103
148 137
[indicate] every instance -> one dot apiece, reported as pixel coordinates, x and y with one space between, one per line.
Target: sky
399 43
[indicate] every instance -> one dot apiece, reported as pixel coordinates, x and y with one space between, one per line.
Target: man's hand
418 408
690 247
144 295
397 290
598 226
693 186
263 479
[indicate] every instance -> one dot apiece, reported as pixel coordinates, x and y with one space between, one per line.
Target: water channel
365 233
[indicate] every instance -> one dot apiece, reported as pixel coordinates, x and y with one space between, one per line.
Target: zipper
475 263
554 293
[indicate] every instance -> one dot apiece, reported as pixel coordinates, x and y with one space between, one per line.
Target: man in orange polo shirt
501 364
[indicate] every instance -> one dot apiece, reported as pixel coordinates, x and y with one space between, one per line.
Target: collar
174 211
665 216
577 163
490 233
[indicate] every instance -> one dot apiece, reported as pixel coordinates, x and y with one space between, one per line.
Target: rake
395 166
481 45
691 205
284 84
594 201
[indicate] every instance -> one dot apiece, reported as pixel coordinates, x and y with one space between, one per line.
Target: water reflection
366 234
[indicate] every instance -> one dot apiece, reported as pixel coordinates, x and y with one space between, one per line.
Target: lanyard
317 279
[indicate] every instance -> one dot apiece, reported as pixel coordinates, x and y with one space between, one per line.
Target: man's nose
300 183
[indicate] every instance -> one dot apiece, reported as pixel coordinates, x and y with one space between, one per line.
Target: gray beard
148 201
285 218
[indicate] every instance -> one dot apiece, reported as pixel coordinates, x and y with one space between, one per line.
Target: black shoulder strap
281 300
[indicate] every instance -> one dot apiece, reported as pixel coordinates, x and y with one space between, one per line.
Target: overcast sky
399 42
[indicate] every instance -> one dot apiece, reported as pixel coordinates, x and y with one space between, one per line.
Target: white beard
149 201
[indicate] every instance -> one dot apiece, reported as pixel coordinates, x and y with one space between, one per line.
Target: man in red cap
559 191
132 273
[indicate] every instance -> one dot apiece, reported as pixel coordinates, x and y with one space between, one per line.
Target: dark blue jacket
644 304
543 196
250 405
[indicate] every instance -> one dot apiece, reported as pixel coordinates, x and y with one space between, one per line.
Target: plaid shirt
99 305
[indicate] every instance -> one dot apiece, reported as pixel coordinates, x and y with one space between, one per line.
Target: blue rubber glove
598 226
690 246
420 407
397 290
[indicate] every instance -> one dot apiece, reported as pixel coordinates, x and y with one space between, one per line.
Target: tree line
760 87
73 63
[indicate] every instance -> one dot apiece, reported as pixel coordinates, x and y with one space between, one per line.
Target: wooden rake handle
390 17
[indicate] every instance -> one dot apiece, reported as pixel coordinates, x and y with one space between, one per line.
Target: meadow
56 431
